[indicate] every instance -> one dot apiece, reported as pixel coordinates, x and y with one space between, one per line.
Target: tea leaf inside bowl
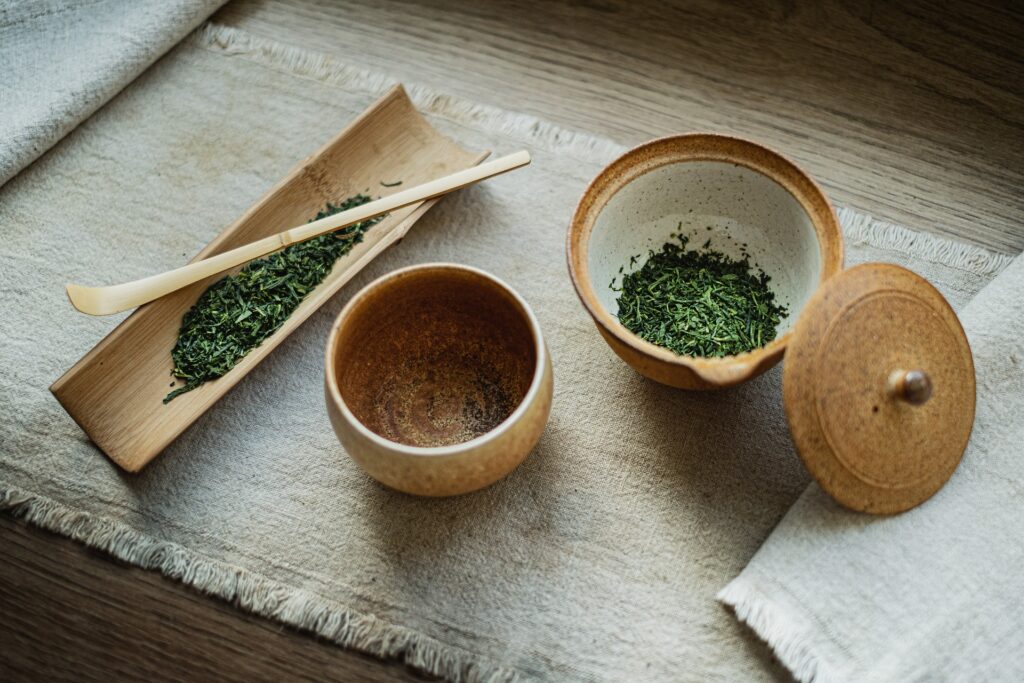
699 302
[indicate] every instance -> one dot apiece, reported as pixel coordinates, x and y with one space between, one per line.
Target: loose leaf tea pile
239 311
699 303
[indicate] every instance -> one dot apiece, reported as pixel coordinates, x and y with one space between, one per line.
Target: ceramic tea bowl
733 191
438 381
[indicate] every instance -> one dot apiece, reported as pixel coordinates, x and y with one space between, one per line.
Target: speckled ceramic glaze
735 193
438 381
889 425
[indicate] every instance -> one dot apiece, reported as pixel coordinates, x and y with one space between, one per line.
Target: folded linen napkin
61 60
934 593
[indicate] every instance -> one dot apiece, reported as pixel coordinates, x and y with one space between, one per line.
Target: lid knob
912 386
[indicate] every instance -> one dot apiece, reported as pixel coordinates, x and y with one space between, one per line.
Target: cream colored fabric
598 559
936 593
60 60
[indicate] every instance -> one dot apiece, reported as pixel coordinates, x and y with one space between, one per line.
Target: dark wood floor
70 614
913 111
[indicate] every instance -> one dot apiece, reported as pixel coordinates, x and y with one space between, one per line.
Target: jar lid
878 385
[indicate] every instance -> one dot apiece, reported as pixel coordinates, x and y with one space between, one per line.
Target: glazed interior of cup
738 209
435 356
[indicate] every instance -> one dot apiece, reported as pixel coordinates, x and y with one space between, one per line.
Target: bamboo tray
115 392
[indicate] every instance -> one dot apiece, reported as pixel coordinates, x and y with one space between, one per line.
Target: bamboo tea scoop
117 298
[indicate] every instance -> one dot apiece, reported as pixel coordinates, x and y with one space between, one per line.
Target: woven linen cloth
60 60
936 593
597 559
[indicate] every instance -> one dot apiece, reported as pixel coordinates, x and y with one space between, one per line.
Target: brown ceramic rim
536 381
684 148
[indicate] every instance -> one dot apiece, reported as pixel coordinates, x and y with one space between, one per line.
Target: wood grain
71 615
909 110
912 111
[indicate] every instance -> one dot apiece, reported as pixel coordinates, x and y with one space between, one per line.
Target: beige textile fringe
311 612
254 593
793 646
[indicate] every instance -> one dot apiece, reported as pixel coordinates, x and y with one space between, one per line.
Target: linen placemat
934 593
598 558
61 60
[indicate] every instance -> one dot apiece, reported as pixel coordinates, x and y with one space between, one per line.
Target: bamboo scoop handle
116 298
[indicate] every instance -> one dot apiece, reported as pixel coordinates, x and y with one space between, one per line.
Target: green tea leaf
699 303
236 313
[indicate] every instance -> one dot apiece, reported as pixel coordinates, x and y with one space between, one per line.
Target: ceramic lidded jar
878 384
745 197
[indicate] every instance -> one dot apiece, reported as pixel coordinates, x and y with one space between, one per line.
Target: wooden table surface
912 111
